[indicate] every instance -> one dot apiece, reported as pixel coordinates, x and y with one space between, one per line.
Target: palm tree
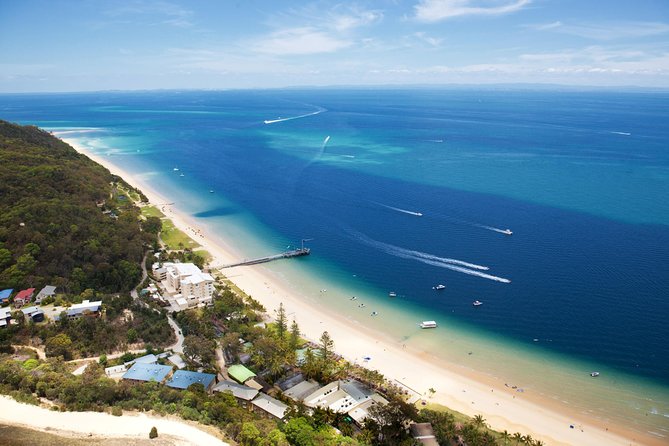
528 440
518 437
479 421
506 436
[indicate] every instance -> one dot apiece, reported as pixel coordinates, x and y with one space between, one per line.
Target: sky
68 45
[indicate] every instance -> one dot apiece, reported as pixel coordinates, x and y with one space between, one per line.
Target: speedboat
507 232
428 324
439 287
594 374
392 294
477 303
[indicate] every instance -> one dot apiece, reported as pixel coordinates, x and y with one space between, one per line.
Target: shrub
153 433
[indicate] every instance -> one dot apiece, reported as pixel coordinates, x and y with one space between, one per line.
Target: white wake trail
429 259
273 121
404 211
492 228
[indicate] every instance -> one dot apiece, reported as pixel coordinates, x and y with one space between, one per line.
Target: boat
594 374
507 232
374 313
392 294
428 324
439 287
211 191
477 303
181 175
175 169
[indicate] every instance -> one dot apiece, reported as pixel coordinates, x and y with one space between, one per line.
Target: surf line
405 211
273 121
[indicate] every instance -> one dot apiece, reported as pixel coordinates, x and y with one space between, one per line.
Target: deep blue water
581 177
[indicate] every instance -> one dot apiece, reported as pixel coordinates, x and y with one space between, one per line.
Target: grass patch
204 254
152 211
175 238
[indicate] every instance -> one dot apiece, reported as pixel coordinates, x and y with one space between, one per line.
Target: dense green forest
64 220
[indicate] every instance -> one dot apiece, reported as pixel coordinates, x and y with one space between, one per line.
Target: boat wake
274 121
492 228
622 133
460 266
404 211
325 142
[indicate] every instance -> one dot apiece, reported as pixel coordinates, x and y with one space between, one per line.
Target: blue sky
58 45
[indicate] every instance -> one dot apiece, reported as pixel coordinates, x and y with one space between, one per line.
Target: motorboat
477 303
392 294
594 374
428 324
507 232
439 287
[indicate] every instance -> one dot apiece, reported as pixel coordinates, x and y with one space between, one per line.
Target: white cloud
433 41
436 10
353 18
545 26
300 41
611 30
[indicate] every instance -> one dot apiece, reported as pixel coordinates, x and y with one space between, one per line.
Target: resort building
33 313
182 379
5 316
346 396
115 370
186 280
84 308
240 373
45 292
239 391
270 405
146 359
23 297
148 372
4 295
423 433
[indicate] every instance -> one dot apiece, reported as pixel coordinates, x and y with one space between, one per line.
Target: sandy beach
94 424
457 388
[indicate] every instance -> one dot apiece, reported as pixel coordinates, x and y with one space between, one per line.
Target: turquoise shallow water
580 177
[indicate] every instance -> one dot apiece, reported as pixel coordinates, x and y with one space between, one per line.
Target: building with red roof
23 297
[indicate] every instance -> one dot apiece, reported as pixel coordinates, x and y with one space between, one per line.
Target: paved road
177 347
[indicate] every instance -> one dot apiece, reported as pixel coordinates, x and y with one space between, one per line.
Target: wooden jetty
284 255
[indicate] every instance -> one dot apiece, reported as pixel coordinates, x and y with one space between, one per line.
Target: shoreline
91 425
462 390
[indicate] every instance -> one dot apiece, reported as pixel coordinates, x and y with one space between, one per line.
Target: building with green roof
240 373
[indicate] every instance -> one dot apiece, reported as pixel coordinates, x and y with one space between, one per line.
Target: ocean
403 189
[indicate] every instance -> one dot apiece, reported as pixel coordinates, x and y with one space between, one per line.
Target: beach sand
460 389
102 425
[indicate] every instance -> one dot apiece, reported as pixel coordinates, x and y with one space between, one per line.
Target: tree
294 340
199 351
326 347
250 435
59 345
506 436
152 224
281 324
479 421
154 433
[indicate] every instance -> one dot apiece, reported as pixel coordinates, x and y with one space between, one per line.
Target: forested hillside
64 220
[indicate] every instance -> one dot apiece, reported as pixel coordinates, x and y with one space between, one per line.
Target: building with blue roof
148 372
4 295
182 379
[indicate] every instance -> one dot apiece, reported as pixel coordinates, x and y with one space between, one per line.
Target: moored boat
439 287
428 324
392 294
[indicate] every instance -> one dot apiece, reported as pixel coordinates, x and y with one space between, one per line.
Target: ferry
392 294
477 303
507 232
439 287
594 374
428 324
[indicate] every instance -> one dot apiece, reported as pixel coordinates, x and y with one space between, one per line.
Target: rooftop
148 372
240 373
25 294
300 391
146 359
182 379
4 294
270 405
238 390
48 290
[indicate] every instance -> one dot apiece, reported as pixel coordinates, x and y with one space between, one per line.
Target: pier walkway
284 255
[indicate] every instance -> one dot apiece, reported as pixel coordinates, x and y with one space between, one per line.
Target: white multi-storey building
187 280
